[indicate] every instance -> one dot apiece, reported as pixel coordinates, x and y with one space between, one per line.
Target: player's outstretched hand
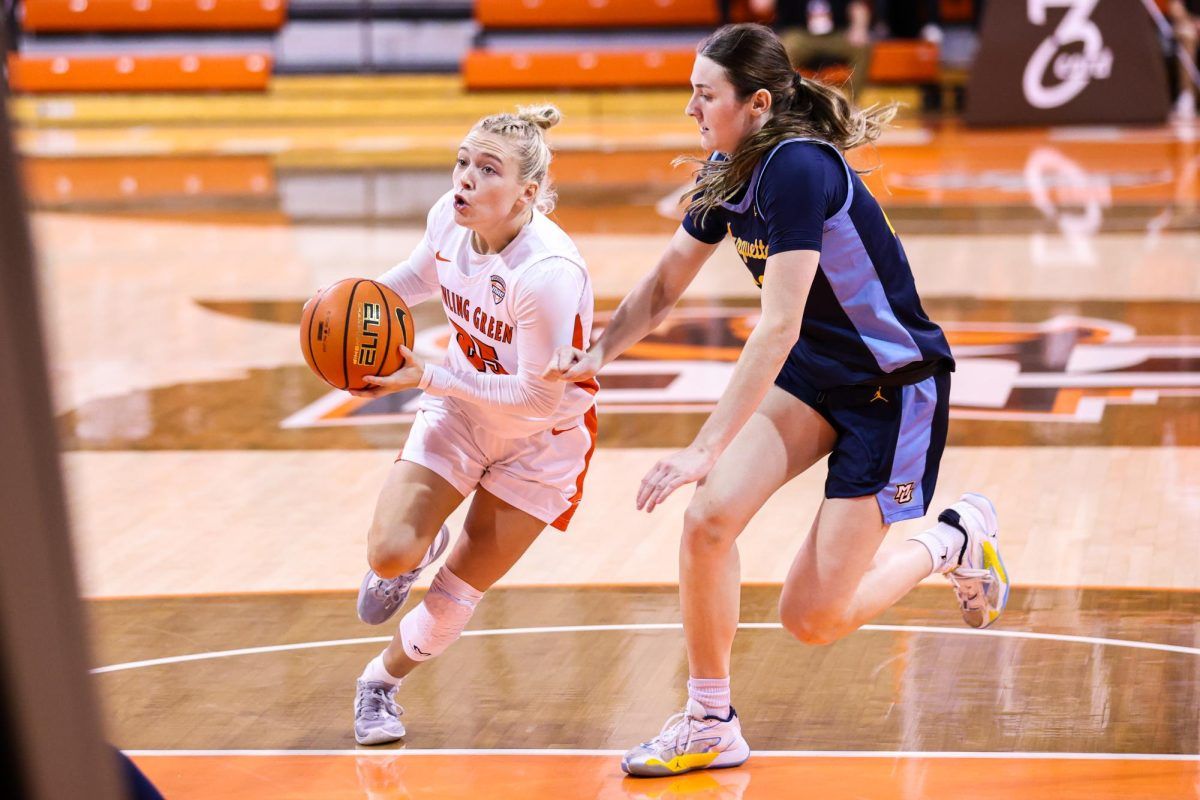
570 364
677 469
407 377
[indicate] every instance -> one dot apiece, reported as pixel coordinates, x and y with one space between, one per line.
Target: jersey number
482 356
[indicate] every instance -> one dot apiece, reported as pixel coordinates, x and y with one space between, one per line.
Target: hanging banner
1067 62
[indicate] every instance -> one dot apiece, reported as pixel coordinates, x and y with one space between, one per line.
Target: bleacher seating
139 73
525 44
177 49
893 62
65 16
496 14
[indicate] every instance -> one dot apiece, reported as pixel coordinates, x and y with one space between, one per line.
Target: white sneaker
980 580
376 715
380 598
689 740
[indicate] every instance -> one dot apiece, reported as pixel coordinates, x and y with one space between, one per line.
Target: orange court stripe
383 773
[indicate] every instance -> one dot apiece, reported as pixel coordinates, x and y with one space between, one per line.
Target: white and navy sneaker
380 598
376 715
980 579
689 740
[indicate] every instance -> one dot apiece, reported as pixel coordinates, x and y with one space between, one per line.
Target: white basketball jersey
478 293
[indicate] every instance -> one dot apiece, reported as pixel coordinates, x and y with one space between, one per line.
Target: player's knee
439 619
708 525
811 626
392 552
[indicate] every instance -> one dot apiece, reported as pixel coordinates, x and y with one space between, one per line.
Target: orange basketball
353 328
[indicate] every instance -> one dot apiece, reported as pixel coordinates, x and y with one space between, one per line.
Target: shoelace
372 705
670 735
386 590
964 580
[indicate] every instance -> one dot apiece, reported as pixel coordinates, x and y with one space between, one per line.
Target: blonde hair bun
544 116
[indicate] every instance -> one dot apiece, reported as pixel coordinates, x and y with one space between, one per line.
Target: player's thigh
834 557
783 438
412 506
495 536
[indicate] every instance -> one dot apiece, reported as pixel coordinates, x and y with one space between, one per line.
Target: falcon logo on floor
1064 369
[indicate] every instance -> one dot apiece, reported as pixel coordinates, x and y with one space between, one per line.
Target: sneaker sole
386 739
726 759
991 550
993 561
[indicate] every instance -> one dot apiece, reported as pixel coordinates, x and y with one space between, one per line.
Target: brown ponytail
754 59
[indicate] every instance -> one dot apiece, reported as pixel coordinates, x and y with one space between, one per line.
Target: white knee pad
438 621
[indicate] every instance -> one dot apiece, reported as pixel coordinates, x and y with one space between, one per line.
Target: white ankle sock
944 543
376 671
712 693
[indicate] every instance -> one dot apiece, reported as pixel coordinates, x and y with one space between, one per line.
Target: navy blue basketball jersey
863 321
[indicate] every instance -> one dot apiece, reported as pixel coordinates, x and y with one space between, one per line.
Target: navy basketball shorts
889 439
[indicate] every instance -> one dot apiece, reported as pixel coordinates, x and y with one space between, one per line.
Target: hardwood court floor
599 668
220 493
578 674
426 776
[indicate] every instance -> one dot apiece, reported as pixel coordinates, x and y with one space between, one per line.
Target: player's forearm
761 359
649 303
407 280
522 395
642 310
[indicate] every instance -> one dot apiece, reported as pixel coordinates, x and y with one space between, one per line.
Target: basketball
352 329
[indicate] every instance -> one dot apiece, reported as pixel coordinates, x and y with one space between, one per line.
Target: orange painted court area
399 776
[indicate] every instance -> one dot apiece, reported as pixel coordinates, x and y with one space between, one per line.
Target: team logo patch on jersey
498 288
904 492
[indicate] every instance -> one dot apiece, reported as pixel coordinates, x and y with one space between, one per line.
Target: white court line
1005 755
656 626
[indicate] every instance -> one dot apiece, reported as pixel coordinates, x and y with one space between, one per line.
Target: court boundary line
651 626
915 754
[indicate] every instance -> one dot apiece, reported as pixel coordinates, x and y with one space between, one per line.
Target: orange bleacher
54 181
594 13
896 61
577 70
46 16
893 62
133 73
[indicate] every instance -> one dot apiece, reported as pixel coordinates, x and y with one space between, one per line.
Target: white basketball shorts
541 474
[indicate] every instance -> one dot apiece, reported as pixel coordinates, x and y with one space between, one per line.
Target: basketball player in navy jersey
844 363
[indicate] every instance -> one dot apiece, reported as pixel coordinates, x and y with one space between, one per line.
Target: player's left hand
677 469
407 377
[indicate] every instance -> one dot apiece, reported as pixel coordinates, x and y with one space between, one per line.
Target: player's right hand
570 364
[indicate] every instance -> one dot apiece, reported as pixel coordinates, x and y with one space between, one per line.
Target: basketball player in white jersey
514 289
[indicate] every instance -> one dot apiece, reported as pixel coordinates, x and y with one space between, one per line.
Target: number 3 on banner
1073 71
481 355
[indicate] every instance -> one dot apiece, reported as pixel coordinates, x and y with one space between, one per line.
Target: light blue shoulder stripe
829 146
855 282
